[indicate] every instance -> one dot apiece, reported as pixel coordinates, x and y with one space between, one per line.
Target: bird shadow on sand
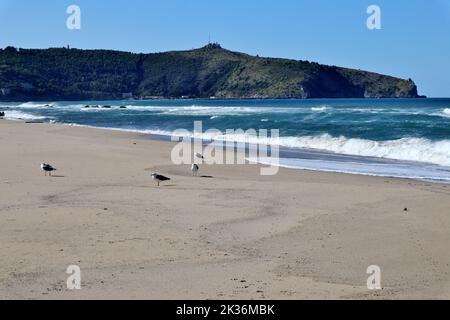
57 176
206 177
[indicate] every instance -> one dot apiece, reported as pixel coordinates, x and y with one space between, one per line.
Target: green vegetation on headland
211 71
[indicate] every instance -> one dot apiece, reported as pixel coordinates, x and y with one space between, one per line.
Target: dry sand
238 235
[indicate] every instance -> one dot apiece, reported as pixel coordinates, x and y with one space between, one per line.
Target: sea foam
19 115
363 167
405 149
320 109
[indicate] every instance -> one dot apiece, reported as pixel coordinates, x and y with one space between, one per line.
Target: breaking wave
31 105
320 109
19 115
350 128
405 149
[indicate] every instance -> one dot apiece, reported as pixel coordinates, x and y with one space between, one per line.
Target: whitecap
31 105
19 115
320 109
405 149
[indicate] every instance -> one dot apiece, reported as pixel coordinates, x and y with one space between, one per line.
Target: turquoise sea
407 138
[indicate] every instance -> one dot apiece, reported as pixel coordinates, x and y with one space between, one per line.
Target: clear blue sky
414 41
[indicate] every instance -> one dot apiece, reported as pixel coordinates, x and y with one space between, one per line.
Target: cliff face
71 74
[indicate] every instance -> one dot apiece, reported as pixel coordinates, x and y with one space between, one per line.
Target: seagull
194 169
159 178
47 168
198 155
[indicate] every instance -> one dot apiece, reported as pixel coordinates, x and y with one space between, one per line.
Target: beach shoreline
236 235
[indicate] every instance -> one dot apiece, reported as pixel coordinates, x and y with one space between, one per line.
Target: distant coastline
211 72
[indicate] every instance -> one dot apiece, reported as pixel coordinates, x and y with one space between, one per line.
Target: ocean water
408 138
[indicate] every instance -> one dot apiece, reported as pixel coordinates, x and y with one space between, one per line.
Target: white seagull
159 178
47 168
194 169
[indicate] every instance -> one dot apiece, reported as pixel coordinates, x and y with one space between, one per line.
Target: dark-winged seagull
47 168
194 169
159 178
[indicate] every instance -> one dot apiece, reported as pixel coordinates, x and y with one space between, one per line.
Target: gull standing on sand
47 168
159 178
194 169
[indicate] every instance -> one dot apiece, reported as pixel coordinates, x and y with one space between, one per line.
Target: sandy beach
236 235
